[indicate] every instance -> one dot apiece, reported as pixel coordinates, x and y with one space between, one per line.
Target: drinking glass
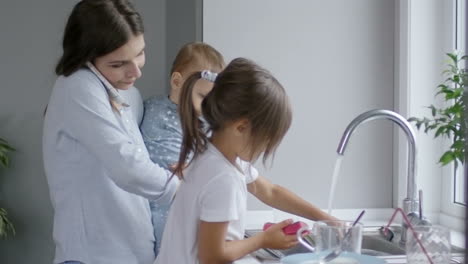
433 244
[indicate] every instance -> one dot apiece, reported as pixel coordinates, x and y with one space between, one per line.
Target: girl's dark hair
242 90
96 28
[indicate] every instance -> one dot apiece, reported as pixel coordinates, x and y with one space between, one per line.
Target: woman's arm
281 198
214 249
92 122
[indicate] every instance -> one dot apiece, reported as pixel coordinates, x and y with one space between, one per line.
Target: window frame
450 208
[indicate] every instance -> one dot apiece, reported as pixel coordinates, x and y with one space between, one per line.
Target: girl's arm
285 200
214 249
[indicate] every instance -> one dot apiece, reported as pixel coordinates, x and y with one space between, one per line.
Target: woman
99 172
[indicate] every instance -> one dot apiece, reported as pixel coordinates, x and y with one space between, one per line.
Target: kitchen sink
374 243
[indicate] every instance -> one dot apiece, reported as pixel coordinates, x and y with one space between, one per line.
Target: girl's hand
275 238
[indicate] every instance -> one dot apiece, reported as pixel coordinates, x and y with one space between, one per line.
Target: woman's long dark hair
242 90
96 28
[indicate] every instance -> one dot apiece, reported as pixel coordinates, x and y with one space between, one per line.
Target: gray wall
154 16
30 46
184 18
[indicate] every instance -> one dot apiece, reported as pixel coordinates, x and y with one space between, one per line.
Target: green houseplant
449 120
5 224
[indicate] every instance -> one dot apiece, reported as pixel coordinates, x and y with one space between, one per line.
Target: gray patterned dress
162 135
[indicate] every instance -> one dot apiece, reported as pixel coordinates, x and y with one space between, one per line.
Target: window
460 32
453 196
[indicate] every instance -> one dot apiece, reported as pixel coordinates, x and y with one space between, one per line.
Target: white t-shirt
214 190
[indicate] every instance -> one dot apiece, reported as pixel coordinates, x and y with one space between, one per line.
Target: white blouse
99 174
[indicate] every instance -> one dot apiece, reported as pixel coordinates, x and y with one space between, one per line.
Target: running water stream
336 171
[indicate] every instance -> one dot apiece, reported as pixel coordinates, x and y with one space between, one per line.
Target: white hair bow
208 75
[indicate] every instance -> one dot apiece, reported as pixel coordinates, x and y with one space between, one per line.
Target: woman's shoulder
81 86
81 75
82 78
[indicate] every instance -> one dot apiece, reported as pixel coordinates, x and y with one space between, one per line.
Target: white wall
336 60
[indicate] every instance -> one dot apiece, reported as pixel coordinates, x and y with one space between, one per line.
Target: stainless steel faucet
411 202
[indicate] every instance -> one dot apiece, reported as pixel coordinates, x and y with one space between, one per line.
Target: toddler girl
160 127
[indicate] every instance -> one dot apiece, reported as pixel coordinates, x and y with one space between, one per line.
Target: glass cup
330 235
428 242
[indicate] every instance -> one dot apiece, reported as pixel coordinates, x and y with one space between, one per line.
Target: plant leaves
433 110
449 95
5 224
430 127
447 157
4 149
440 130
458 145
4 161
453 68
454 57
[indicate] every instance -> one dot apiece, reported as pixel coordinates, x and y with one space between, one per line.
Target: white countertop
373 216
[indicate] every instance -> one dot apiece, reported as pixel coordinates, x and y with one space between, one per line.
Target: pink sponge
290 229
